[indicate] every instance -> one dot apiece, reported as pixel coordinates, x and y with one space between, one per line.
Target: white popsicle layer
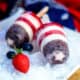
30 23
49 33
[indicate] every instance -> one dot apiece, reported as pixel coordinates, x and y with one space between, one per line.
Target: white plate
38 71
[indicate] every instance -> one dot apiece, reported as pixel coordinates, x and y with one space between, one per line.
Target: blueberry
10 54
27 47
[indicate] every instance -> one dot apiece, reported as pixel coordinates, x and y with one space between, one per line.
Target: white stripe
26 27
47 29
32 19
51 38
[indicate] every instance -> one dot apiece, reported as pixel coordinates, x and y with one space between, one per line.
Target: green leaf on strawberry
18 50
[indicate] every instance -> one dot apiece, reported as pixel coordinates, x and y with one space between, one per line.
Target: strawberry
21 63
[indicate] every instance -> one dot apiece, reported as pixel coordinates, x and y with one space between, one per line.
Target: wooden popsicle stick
75 74
43 11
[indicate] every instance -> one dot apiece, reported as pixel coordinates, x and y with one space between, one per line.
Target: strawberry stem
18 51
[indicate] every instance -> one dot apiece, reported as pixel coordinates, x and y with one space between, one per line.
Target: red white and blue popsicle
53 43
24 28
